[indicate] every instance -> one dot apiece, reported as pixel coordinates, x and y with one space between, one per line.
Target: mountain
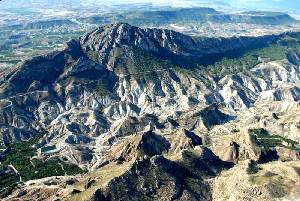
161 16
125 113
193 15
258 17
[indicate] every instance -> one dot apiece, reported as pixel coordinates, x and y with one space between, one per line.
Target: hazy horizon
280 5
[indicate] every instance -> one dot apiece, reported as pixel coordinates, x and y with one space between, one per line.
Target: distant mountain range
72 7
168 16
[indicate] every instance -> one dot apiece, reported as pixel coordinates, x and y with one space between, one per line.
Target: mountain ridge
107 46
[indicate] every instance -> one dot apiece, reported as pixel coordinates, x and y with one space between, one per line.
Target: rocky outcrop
183 140
231 153
120 44
203 160
157 179
137 146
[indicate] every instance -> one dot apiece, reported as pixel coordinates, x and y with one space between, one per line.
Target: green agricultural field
268 141
36 44
21 155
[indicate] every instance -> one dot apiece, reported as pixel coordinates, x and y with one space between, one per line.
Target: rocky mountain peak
120 34
121 45
111 43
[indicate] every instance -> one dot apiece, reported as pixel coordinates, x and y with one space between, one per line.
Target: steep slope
124 47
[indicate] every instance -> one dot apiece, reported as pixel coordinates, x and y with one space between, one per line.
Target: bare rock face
136 147
288 154
204 161
231 153
183 140
261 185
152 145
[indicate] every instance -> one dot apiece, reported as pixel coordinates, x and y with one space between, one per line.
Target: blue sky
290 6
286 4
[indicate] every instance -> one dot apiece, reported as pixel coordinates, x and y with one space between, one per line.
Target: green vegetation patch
148 62
252 167
298 125
143 63
21 154
48 148
100 87
262 179
34 44
147 67
8 182
273 181
102 90
274 51
297 169
267 141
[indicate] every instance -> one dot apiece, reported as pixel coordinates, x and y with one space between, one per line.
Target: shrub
252 167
